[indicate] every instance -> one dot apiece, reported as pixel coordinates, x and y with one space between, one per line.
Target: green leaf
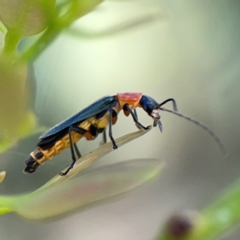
13 203
94 187
90 158
16 120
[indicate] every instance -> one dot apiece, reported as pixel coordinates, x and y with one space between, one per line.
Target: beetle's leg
113 121
104 135
135 112
169 100
126 106
72 146
110 129
77 150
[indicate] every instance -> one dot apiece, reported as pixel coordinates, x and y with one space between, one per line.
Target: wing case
100 105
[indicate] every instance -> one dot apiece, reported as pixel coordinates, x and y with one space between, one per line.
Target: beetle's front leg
135 118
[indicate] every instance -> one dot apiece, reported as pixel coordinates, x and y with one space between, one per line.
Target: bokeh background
191 53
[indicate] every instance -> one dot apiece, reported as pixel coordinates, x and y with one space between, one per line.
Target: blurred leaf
9 203
2 28
26 17
93 187
77 9
2 176
5 210
117 29
91 157
16 119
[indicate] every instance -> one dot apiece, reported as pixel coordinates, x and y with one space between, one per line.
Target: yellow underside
60 145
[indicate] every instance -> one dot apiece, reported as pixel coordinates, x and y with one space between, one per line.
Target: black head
31 165
152 108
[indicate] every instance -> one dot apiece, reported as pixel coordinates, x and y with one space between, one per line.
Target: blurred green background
191 54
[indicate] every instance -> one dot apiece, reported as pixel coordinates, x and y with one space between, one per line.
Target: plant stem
11 42
222 214
78 9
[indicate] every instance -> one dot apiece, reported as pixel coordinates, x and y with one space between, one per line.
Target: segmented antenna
206 128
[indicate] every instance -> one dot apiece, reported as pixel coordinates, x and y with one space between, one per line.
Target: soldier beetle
93 120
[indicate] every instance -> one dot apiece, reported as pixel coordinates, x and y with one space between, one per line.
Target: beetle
93 120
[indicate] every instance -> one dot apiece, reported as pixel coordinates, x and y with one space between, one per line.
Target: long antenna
206 128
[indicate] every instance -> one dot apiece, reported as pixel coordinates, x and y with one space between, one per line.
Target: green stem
47 37
222 214
11 42
78 9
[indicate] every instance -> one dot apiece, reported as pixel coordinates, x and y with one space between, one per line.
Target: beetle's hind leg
111 113
104 137
73 146
77 150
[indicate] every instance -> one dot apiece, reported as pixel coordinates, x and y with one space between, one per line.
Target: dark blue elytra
97 107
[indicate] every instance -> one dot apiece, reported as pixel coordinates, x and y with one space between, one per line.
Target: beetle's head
153 108
150 106
32 162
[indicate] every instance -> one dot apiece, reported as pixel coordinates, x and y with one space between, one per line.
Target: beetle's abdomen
93 127
59 146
